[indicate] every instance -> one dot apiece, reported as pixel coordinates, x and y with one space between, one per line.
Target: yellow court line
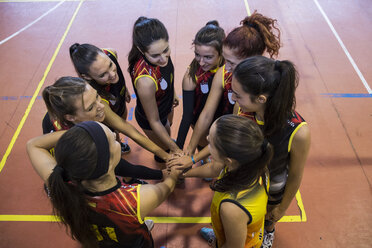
247 7
189 220
34 218
301 206
159 220
27 112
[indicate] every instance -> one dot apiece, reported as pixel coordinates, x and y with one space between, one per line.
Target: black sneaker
125 148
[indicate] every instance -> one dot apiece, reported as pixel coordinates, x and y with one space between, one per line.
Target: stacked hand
180 161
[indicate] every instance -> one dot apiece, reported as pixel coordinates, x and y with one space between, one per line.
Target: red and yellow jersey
116 218
227 102
203 85
253 202
117 91
163 78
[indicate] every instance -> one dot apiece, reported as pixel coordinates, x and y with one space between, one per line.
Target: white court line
247 7
32 23
344 48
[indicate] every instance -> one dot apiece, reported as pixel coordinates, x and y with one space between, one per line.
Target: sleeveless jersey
50 126
227 102
118 90
253 202
163 78
281 140
116 217
203 85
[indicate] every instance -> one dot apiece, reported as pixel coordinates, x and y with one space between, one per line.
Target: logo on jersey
204 87
163 84
229 95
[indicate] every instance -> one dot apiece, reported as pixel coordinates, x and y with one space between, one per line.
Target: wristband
192 159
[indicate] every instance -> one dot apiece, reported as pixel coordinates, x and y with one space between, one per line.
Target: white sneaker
268 239
149 224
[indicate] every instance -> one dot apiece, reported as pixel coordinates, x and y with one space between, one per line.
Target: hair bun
247 22
73 48
214 23
141 21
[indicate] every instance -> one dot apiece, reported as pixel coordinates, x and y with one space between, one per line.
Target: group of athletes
239 103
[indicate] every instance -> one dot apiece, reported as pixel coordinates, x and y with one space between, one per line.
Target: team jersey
281 140
252 201
163 78
227 102
203 85
117 102
50 125
116 218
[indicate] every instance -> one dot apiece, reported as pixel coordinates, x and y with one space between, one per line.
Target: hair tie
277 65
59 169
264 146
143 22
103 152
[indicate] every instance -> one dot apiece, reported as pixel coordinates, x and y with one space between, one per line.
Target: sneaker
208 234
149 224
268 239
125 148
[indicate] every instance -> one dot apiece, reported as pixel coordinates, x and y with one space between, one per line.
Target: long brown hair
60 98
82 57
241 140
76 157
256 35
278 79
145 32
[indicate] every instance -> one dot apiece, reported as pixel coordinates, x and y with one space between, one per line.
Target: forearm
129 130
40 157
291 188
205 171
201 128
187 116
158 128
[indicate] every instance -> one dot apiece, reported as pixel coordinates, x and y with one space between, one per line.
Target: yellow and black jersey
252 201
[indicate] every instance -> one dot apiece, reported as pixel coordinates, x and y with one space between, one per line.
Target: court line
23 120
346 95
344 48
32 23
247 7
301 206
164 220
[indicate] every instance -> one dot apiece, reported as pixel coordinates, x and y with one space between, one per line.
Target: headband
100 140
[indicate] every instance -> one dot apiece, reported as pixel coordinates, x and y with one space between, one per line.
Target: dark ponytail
241 140
145 32
76 156
278 79
209 35
60 98
82 57
257 34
